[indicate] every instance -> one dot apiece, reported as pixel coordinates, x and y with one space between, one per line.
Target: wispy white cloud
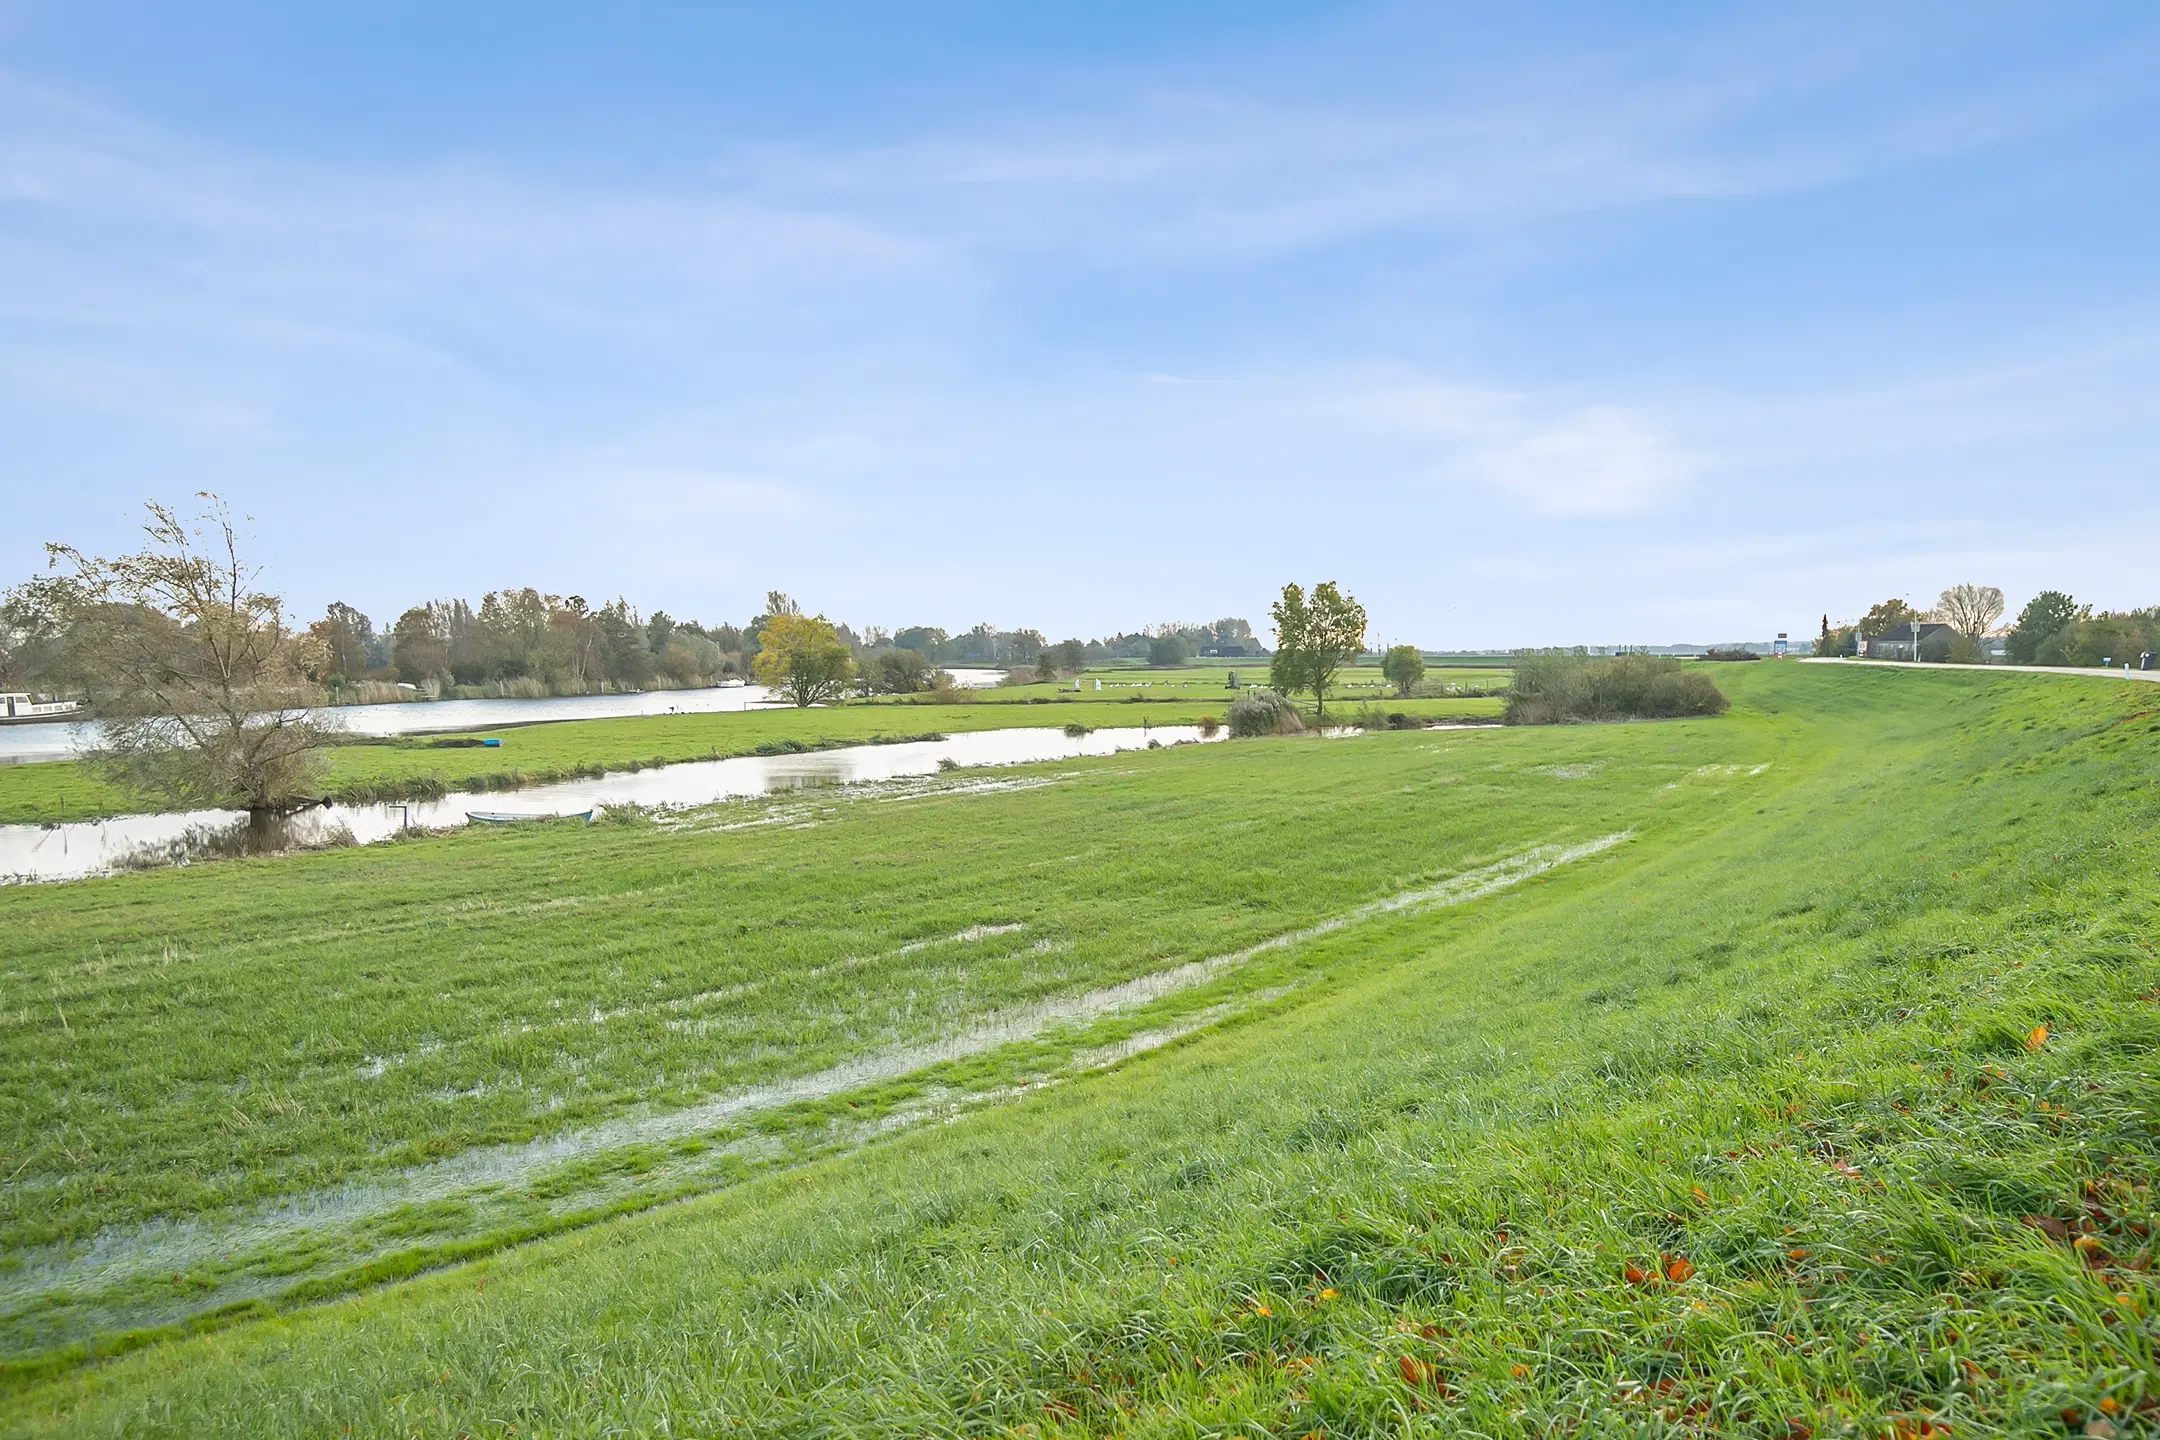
1598 461
1584 460
897 330
114 221
1184 170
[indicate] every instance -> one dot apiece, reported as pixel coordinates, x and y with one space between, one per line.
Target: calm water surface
99 847
63 741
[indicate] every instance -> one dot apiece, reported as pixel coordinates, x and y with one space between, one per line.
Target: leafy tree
1888 618
803 656
1232 631
2109 638
1403 667
1169 651
691 658
198 682
925 640
419 646
1836 639
572 649
1071 656
1314 639
2044 619
1969 609
36 642
626 656
898 672
1046 669
731 642
343 636
512 638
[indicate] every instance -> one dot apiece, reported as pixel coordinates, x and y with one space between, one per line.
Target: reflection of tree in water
258 833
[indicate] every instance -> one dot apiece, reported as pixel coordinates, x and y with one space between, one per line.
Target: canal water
64 740
98 847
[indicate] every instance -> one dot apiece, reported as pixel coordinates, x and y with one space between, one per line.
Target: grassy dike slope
1828 1095
282 1033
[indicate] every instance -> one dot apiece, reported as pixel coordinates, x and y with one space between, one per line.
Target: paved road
2100 670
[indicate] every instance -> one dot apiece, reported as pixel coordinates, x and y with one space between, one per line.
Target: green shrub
1554 687
896 672
1263 712
1372 717
1170 651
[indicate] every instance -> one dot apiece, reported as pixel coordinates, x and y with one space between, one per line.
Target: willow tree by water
802 656
196 678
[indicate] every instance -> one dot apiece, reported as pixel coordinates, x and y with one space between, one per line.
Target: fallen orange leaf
1678 1268
1634 1275
2036 1037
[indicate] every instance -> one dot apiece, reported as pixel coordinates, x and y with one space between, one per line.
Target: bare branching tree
1971 610
197 681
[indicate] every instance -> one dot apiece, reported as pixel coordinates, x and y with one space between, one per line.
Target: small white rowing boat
512 817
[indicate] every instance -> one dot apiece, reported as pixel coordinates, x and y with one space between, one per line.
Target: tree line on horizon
205 687
524 641
206 690
564 643
2051 629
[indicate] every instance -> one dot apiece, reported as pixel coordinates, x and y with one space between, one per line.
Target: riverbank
372 769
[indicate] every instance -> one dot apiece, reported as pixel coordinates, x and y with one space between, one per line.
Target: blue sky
1583 324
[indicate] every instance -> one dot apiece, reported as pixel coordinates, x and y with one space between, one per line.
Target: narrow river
99 847
63 740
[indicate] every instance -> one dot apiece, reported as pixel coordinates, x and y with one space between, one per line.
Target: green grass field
53 791
1705 1076
1211 677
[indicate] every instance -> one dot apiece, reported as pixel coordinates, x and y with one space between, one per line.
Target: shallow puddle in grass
117 1279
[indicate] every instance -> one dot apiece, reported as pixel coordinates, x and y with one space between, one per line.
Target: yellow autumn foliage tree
804 658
